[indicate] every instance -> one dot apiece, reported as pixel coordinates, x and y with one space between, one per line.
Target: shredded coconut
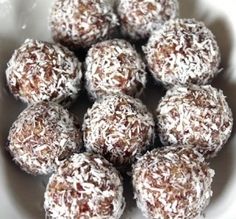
114 66
183 51
42 135
85 186
40 71
81 23
196 115
139 18
172 182
119 127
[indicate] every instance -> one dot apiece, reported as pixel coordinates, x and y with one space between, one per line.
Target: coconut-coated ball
42 136
172 182
119 127
114 66
139 18
196 115
85 186
81 23
42 71
183 51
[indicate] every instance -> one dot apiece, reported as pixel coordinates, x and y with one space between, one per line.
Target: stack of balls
193 119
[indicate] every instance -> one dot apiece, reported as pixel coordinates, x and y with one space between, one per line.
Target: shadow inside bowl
188 8
26 191
131 207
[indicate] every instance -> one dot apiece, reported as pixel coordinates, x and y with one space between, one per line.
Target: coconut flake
40 71
114 66
197 115
183 51
81 23
119 127
140 18
172 182
85 186
42 135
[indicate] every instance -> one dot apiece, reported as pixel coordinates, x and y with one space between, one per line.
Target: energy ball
85 186
41 71
196 115
182 52
172 182
139 18
114 66
42 136
81 23
118 127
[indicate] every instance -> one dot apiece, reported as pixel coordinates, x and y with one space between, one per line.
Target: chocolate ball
196 115
81 23
119 127
42 136
85 186
41 71
139 18
172 182
182 52
114 66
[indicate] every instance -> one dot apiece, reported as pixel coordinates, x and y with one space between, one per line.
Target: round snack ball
183 51
40 71
119 127
81 23
85 186
139 18
196 115
42 136
114 66
172 182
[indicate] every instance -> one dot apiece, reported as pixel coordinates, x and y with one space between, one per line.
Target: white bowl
21 195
